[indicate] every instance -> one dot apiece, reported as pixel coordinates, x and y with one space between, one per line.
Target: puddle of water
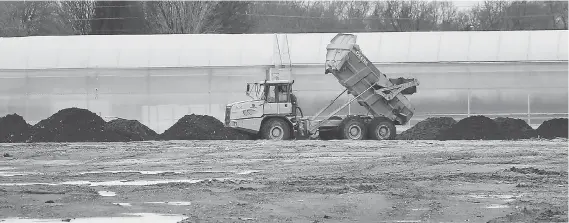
107 193
54 162
245 172
505 198
177 203
120 183
495 206
420 209
129 171
12 174
122 204
7 168
134 218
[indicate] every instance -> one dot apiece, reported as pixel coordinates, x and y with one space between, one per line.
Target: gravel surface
289 181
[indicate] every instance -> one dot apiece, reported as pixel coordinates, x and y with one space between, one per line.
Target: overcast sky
465 4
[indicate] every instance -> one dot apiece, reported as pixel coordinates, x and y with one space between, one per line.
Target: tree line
89 17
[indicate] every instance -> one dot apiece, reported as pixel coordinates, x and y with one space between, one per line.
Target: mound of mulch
73 125
201 127
428 129
473 128
131 130
553 128
401 80
14 129
513 128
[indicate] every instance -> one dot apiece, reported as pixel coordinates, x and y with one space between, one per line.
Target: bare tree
77 14
446 16
30 19
181 16
558 11
490 15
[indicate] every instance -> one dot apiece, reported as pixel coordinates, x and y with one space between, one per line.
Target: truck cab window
271 94
283 94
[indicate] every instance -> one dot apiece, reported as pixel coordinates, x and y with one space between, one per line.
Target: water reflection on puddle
107 193
123 183
178 203
497 206
133 218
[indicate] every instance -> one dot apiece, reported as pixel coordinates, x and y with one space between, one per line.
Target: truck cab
271 112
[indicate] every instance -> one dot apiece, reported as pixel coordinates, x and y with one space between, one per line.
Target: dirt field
293 181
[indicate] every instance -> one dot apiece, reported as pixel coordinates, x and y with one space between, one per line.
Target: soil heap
14 129
427 129
73 125
473 128
200 127
131 130
553 128
513 128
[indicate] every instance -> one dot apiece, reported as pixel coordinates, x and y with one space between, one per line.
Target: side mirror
248 87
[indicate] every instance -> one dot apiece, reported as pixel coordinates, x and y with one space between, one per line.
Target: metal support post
529 108
468 109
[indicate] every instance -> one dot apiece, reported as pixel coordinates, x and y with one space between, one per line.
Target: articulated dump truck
274 113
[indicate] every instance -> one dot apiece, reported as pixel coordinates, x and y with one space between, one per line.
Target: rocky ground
291 181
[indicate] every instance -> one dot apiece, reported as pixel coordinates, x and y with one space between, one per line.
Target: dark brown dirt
14 129
473 128
132 130
515 128
427 129
401 80
553 128
201 127
73 125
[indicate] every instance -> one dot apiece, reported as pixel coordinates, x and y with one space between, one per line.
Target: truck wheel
352 128
381 129
276 129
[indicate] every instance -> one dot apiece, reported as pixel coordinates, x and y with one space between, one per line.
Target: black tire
381 129
329 134
276 129
352 128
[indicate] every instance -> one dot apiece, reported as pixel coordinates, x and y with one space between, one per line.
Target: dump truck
274 113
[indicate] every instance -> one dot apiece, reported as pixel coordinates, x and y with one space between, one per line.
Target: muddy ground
292 181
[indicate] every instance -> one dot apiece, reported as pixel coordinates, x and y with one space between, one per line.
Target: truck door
283 99
271 107
278 100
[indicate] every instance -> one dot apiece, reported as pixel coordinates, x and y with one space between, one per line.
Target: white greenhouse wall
199 50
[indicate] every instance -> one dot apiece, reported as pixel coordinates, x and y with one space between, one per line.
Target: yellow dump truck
274 113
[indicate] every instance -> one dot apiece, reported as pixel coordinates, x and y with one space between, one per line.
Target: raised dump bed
372 89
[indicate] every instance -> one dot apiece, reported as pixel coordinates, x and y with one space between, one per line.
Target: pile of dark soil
473 128
427 129
14 129
401 80
553 128
73 125
513 128
131 130
201 127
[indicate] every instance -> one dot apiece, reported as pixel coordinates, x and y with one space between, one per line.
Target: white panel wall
200 50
